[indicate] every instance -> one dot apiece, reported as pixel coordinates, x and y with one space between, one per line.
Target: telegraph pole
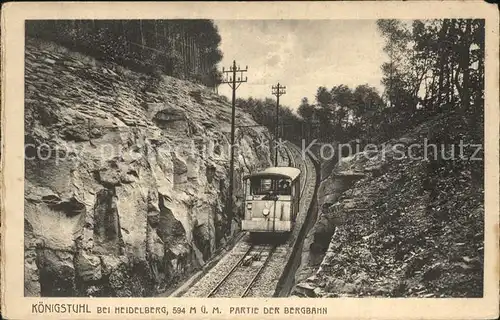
234 81
278 91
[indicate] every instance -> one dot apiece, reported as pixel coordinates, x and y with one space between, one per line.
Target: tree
366 99
324 112
305 110
454 50
343 102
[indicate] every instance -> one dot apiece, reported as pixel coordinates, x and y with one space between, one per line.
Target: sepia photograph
129 167
274 157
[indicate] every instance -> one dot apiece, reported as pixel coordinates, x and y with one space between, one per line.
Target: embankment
405 220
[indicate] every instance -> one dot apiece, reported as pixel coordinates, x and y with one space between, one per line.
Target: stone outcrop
126 175
399 224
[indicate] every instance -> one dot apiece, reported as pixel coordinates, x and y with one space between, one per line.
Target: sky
302 55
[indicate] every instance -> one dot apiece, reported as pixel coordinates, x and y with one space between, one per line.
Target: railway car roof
282 172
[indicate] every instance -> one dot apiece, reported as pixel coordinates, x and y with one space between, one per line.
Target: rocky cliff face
126 175
399 224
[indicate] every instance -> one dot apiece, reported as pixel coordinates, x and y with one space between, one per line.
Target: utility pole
234 81
278 91
302 135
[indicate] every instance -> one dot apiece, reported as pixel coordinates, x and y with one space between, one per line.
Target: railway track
291 159
239 280
303 166
250 269
264 284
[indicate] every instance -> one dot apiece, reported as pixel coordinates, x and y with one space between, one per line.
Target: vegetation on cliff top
185 49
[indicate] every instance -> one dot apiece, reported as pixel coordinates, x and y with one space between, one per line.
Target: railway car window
267 186
261 186
284 187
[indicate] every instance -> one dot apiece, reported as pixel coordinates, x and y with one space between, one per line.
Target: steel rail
258 272
229 273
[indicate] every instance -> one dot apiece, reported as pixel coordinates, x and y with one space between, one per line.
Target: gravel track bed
203 287
241 277
265 284
235 285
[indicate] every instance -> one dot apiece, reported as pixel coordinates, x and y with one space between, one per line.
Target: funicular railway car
272 199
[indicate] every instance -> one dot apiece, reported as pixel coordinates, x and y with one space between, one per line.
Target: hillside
396 225
126 175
